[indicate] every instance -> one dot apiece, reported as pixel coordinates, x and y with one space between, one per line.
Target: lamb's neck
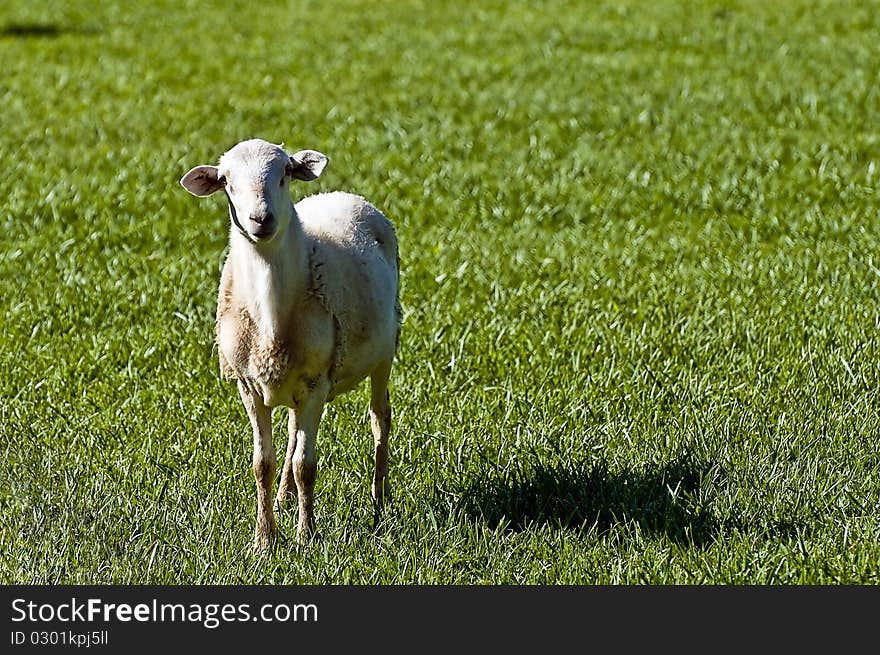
271 276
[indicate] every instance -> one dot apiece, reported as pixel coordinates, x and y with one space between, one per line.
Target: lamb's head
255 175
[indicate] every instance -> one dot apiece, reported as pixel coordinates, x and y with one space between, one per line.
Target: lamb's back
354 260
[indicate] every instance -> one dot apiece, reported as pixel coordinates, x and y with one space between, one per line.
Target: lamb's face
255 175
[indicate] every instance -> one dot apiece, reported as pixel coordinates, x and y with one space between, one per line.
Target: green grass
641 289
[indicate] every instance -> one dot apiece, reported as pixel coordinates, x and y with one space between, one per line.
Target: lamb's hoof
264 540
304 536
381 494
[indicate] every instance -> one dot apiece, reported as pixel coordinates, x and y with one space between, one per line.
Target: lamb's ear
307 165
202 181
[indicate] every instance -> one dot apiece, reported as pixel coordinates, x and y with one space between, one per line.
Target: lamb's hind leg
264 465
380 422
287 485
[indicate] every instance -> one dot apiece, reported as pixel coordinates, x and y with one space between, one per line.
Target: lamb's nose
263 217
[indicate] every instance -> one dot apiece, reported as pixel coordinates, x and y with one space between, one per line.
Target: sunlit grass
641 289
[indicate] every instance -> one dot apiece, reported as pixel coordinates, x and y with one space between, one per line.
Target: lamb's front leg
305 459
264 465
287 486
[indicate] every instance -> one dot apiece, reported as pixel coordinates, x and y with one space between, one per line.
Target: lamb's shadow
674 500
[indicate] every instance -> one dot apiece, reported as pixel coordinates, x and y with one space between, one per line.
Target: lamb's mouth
262 233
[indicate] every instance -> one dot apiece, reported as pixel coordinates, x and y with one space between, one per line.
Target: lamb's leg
264 465
380 422
287 486
305 460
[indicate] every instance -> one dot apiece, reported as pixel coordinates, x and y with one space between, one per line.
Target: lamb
308 307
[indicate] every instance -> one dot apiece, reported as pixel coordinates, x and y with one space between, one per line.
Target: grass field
641 289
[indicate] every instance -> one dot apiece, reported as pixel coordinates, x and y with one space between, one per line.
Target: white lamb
308 307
